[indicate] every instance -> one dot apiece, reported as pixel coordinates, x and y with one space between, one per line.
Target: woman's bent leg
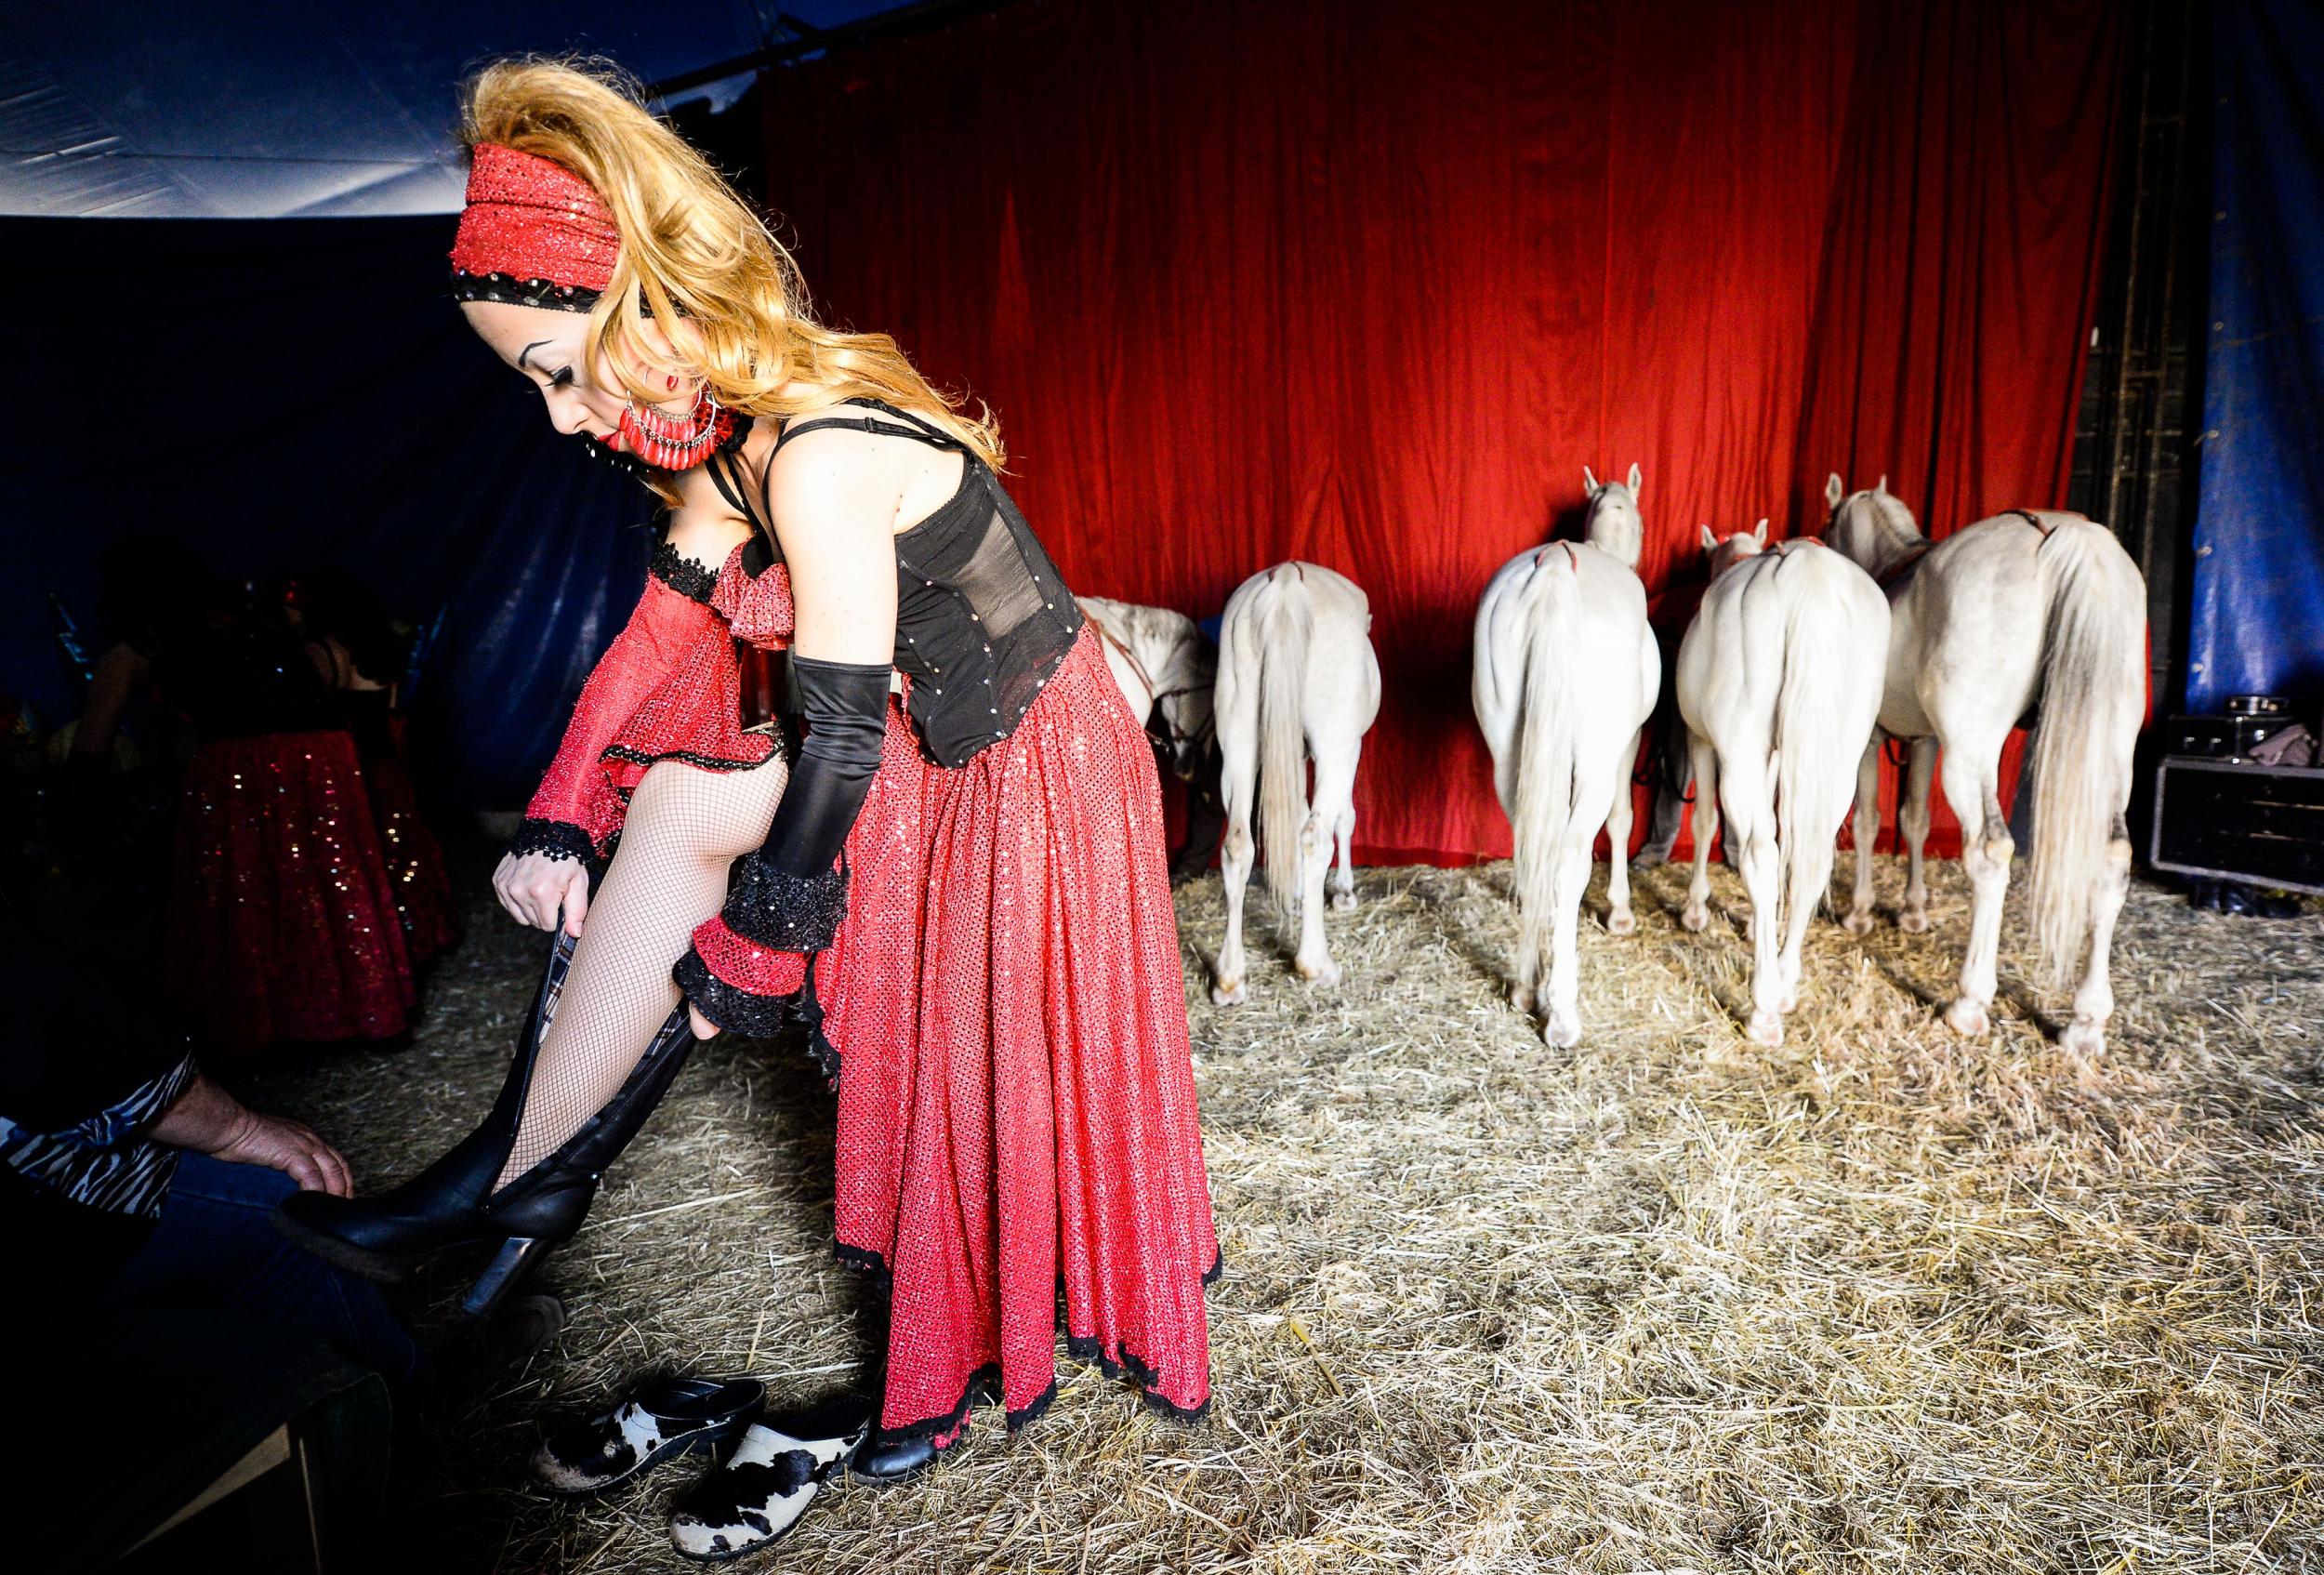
684 828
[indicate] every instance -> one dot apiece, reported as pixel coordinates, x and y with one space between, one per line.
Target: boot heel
510 1262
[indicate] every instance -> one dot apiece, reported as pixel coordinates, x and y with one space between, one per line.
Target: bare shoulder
837 474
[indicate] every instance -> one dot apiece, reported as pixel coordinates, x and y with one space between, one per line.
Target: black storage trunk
2240 820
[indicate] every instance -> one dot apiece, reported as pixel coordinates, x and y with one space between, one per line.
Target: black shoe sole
385 1268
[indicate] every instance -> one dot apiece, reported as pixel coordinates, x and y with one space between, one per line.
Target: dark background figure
282 918
362 657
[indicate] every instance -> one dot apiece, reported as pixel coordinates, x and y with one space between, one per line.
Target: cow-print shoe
666 1416
768 1482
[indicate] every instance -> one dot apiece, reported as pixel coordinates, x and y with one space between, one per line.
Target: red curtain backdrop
1369 285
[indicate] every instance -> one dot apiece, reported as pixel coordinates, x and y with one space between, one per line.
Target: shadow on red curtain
1368 285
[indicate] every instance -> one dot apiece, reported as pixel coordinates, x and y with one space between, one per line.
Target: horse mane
1896 522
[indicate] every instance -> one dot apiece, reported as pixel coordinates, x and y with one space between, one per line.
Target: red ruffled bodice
666 689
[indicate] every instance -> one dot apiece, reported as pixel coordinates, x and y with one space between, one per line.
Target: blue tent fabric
282 393
2257 622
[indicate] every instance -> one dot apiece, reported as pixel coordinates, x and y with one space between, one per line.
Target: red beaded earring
675 442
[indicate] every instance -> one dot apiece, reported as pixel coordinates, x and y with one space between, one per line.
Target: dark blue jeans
216 1245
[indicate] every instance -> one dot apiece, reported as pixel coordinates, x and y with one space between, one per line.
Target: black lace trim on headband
466 286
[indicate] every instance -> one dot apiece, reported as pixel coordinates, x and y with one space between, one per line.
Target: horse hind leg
1972 777
1561 999
1619 919
1912 819
1238 741
1695 916
1343 835
1868 831
1332 806
1747 794
2094 1002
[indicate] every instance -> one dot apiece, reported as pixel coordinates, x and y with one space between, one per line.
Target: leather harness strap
2032 519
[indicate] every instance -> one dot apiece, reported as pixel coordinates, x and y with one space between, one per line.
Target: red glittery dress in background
282 923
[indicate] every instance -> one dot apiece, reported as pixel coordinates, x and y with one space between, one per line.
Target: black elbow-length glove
790 896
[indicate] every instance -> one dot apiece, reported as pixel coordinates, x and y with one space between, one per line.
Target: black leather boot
451 1207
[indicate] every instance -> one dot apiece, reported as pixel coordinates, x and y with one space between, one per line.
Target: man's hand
209 1120
291 1148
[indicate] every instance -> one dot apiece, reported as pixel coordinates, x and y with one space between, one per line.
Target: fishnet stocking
684 827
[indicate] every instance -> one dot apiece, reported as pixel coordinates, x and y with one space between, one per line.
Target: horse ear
1710 542
1589 484
1636 481
1834 490
1759 534
1880 487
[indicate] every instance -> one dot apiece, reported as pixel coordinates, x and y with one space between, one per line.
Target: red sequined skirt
283 922
417 881
1016 1089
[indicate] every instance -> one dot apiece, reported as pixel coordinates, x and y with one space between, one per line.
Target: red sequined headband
532 232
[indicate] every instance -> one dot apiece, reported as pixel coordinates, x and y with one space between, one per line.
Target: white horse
1779 706
1159 658
1565 676
1298 679
2030 607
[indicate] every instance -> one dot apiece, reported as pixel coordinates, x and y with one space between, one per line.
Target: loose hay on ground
1664 1301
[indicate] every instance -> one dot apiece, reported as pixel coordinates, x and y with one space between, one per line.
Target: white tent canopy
266 108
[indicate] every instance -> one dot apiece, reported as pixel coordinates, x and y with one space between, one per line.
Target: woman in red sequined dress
954 875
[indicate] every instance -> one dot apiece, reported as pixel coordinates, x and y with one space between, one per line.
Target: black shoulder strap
725 474
915 427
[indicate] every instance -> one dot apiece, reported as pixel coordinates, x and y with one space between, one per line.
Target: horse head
1614 525
1723 553
1873 528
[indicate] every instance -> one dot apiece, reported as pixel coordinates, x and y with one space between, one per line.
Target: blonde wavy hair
694 255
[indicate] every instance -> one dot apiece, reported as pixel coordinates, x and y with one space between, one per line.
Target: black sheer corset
983 618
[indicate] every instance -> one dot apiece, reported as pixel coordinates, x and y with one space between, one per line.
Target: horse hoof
1342 901
2085 1036
1966 1017
1859 921
1791 1002
1621 921
1325 973
1227 995
1913 920
1647 860
1563 1031
1695 919
1521 998
1766 1027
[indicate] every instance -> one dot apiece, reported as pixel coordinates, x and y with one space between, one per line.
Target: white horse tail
1545 744
1813 788
2092 657
1286 626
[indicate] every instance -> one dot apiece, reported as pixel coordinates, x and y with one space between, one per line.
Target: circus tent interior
1570 1215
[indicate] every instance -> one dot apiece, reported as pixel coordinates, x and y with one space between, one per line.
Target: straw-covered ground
1885 1297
